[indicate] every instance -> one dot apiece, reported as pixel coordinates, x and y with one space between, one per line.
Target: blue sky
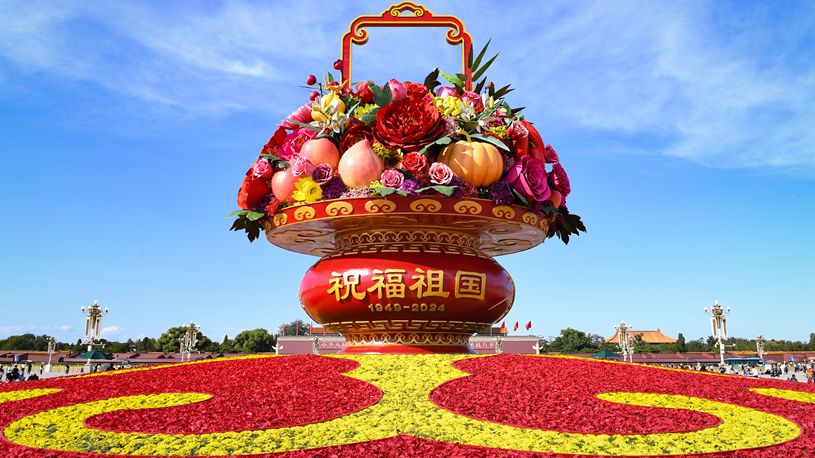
686 128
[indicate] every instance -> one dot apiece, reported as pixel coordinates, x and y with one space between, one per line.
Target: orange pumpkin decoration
477 163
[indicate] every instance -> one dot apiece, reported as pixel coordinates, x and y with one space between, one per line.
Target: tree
812 341
170 341
226 345
146 345
296 328
254 341
680 343
573 341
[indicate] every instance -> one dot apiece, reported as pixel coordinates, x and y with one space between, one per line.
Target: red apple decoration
283 184
360 165
321 151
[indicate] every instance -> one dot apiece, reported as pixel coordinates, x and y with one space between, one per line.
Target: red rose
356 131
416 164
363 92
253 190
409 123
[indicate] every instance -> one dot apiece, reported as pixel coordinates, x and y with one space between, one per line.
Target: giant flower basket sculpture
407 191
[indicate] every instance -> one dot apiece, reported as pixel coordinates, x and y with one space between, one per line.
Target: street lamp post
718 321
760 341
93 325
52 346
189 340
626 341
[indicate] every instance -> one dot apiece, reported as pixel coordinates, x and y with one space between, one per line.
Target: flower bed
403 405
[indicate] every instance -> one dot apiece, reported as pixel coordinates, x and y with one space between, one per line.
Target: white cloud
108 331
707 82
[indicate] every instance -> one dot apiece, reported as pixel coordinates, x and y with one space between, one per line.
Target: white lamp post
189 340
760 341
626 342
93 325
52 346
718 322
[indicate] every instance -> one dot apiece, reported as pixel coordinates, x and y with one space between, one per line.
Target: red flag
282 329
503 328
528 326
297 328
516 326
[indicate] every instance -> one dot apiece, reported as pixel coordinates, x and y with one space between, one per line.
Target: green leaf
470 56
271 158
254 216
477 61
453 79
480 86
432 80
441 141
503 91
383 191
237 213
382 96
331 77
307 126
369 117
446 190
478 73
514 111
519 196
492 140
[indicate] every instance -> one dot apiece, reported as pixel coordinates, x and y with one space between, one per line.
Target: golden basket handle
392 17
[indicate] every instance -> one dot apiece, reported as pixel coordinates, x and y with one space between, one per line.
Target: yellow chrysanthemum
307 191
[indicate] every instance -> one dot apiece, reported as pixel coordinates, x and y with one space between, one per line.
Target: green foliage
574 341
254 341
247 221
680 343
296 328
382 95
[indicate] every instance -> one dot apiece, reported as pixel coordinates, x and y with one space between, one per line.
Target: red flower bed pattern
524 391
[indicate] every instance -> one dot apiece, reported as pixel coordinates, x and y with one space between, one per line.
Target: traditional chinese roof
651 337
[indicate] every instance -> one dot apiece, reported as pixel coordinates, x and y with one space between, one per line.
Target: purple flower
500 193
301 166
391 179
322 174
410 185
334 189
463 189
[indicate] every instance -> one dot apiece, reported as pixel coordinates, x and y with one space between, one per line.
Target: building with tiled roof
649 337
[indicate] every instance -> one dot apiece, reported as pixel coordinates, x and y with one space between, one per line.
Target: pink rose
473 99
528 177
293 142
559 180
440 173
392 179
302 114
445 91
301 166
262 168
322 174
398 90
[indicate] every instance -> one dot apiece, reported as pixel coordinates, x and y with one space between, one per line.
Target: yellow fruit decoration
477 163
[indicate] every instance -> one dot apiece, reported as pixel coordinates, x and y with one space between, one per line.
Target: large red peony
252 191
409 123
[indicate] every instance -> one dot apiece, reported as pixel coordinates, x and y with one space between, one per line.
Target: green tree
812 341
146 345
254 341
170 341
573 341
680 343
226 345
296 328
